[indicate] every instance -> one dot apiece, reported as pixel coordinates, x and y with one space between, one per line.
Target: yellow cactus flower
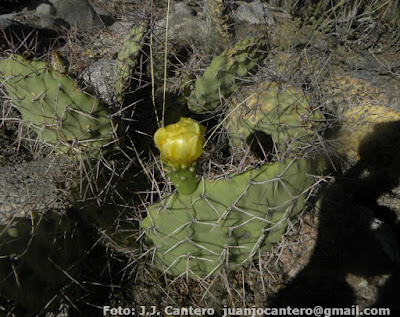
180 143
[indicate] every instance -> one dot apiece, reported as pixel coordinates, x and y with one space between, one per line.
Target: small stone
104 15
121 28
78 13
255 13
183 9
47 22
100 76
45 9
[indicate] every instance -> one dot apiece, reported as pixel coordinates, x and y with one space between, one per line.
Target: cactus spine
52 105
223 223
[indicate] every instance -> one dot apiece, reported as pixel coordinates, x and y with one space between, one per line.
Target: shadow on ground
51 260
355 234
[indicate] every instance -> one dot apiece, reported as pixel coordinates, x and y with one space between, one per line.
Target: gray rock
104 15
254 13
32 186
78 13
101 76
75 13
121 28
184 26
29 20
7 22
183 9
45 9
47 22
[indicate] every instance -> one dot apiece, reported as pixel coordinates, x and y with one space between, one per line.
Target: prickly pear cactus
218 19
127 60
221 78
357 123
281 112
223 223
364 108
52 105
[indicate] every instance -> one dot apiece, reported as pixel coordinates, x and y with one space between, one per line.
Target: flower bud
180 143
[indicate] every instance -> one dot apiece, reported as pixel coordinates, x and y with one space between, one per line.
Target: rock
78 13
121 28
59 13
101 76
6 22
104 15
21 28
26 21
47 22
45 9
184 26
254 13
32 186
183 9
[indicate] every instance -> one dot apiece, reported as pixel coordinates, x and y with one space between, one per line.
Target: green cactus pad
216 13
221 77
224 222
127 60
52 105
283 113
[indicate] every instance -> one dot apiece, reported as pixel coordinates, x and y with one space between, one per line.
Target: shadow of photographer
355 235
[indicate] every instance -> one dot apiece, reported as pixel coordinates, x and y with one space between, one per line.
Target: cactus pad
281 112
127 60
224 223
357 123
52 105
220 79
216 12
365 108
